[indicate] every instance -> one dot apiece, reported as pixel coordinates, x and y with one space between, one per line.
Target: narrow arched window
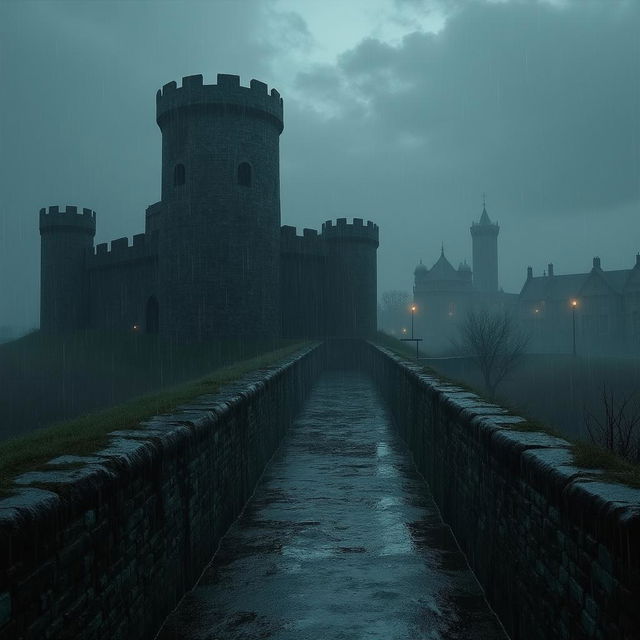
178 174
244 174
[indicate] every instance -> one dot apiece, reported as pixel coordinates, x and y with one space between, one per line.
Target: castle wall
112 544
556 551
107 550
213 259
121 282
302 279
351 282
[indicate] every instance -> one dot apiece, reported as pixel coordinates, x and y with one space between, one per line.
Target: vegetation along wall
103 547
556 548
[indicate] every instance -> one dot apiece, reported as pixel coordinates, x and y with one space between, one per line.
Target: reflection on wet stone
340 540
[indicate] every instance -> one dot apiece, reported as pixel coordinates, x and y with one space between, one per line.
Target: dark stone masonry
105 546
341 539
214 260
556 549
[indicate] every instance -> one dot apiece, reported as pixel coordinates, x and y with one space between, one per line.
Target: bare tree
618 426
496 344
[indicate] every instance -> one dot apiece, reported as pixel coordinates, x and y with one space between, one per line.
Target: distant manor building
605 306
213 260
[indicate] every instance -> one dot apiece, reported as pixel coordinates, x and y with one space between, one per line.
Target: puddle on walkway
340 541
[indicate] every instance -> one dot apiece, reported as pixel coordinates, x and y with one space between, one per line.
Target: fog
348 400
399 111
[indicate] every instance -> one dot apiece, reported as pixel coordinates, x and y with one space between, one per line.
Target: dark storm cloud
292 29
547 98
536 104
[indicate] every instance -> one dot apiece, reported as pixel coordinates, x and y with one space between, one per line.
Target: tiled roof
442 270
565 287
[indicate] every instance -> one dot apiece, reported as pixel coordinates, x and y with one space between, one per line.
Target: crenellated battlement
71 218
144 247
310 242
213 250
355 231
227 92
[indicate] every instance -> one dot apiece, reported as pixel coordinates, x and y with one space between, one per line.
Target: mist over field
415 114
320 319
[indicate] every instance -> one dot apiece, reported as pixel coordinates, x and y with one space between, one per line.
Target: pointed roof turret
443 269
484 218
420 270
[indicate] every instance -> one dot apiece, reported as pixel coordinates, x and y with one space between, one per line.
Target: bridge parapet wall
556 548
110 546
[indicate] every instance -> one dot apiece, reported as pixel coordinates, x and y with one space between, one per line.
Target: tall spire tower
484 235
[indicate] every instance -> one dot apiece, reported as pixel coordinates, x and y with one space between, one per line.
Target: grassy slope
47 379
585 454
88 433
557 389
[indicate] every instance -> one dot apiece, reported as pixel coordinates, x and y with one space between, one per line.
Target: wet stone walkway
341 540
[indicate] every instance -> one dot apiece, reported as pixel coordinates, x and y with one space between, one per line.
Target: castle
214 260
598 310
443 294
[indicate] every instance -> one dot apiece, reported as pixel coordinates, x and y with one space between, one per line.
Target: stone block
5 608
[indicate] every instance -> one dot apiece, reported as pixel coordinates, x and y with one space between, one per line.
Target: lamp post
413 309
574 304
412 339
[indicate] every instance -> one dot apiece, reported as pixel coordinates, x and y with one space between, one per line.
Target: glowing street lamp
412 339
574 304
413 310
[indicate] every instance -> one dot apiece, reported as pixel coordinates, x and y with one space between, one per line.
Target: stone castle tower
213 261
484 236
218 222
66 239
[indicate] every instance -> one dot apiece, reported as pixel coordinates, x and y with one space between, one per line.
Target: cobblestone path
341 540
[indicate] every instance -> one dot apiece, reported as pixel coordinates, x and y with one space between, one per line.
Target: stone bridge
343 493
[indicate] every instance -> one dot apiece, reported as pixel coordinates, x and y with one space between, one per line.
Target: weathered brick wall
121 282
219 240
556 550
103 547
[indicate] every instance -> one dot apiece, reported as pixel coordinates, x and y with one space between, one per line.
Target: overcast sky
399 111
